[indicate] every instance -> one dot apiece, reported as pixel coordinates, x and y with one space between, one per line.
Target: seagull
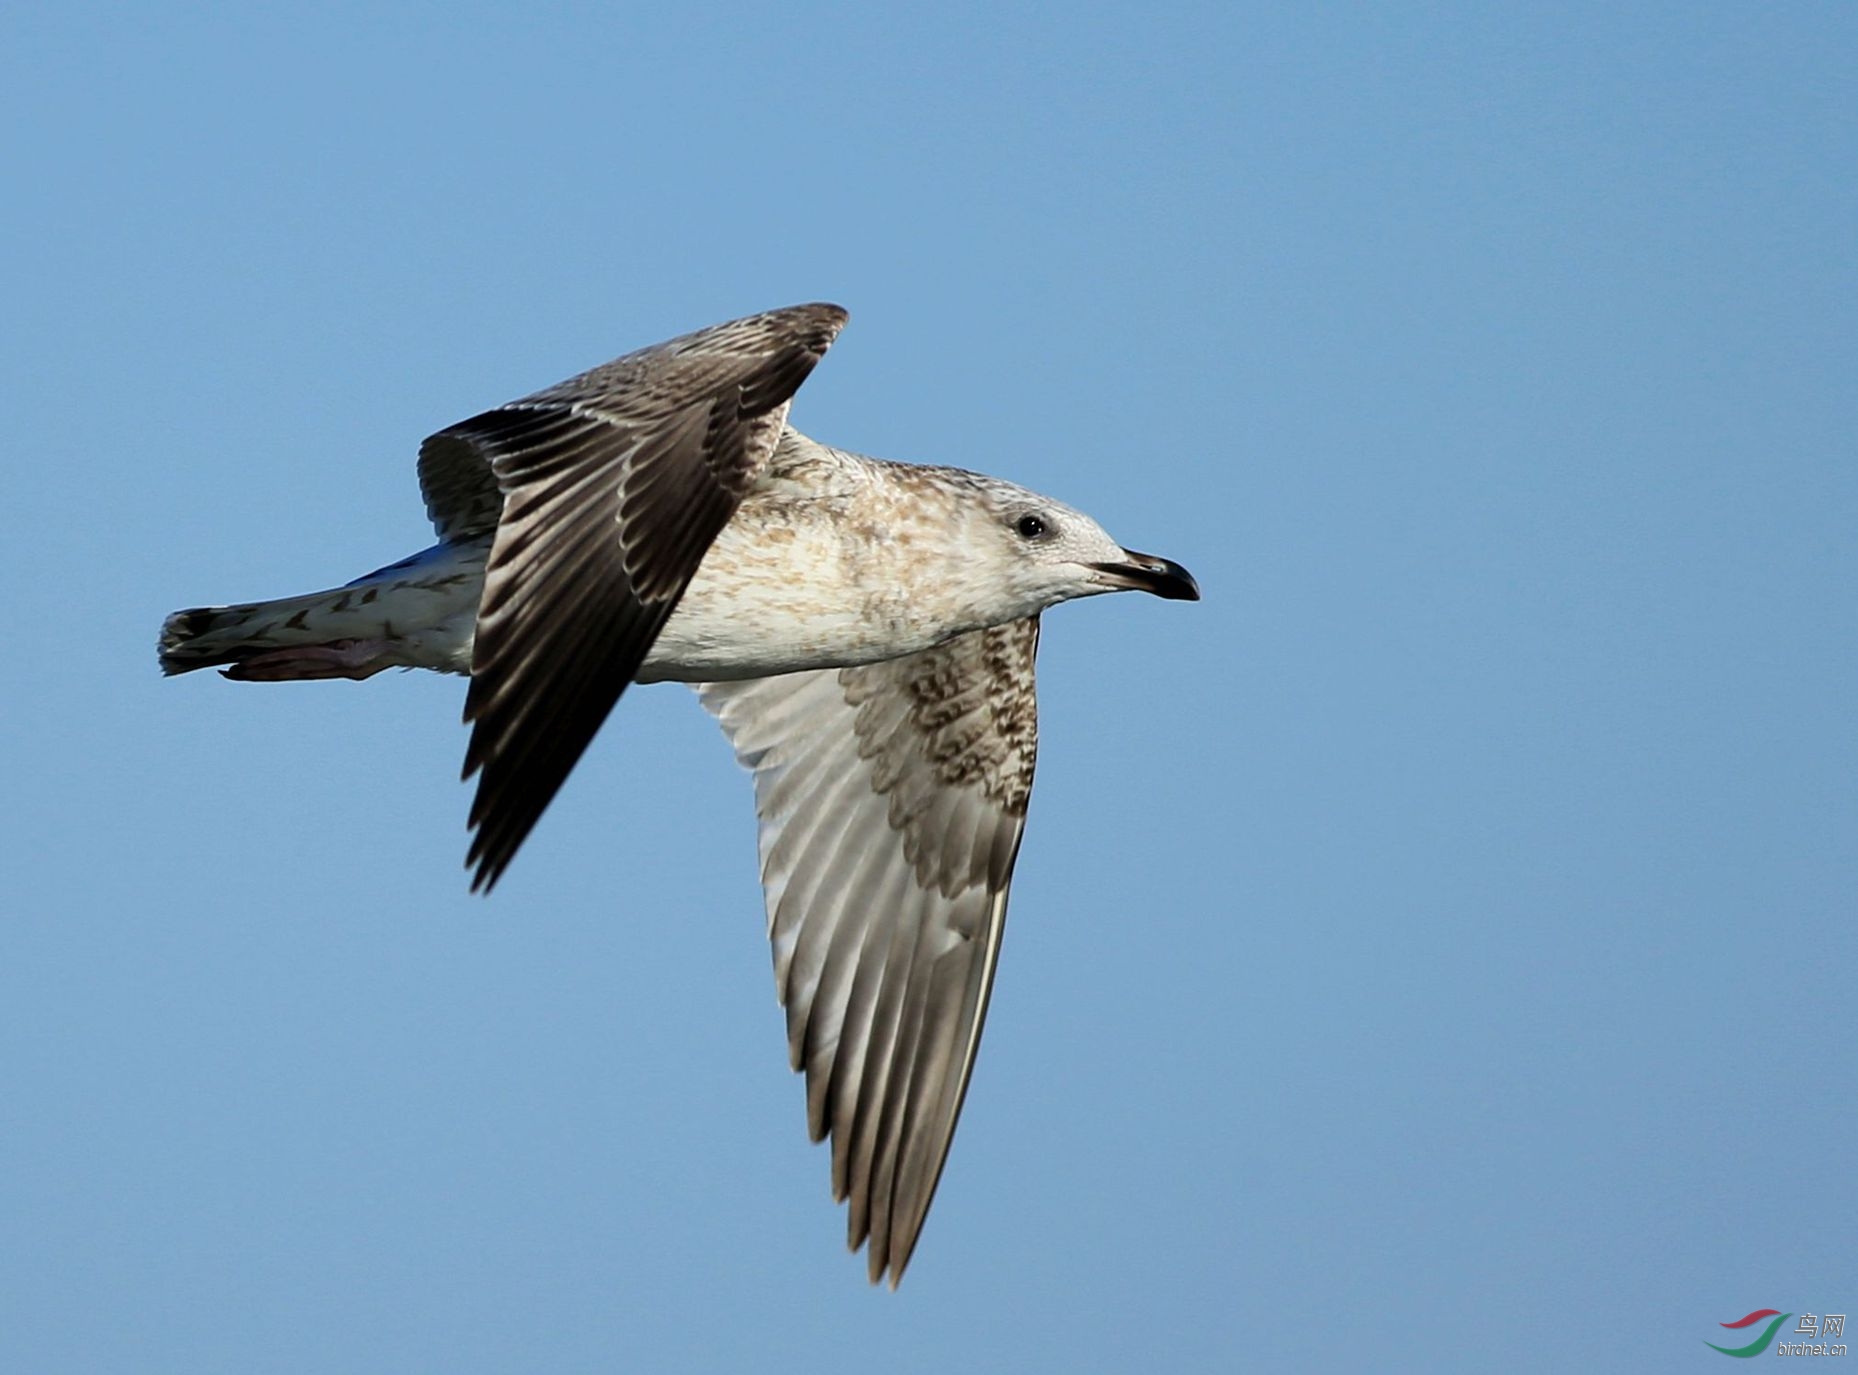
863 631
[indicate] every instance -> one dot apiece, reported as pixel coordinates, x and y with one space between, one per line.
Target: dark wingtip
811 327
486 866
828 314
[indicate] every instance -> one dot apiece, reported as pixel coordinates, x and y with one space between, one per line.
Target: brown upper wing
614 484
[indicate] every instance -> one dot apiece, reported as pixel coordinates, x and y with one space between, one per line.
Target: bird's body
864 631
821 566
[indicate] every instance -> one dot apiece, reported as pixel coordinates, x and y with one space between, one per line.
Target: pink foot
355 659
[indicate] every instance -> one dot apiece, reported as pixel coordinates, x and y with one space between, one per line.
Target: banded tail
418 613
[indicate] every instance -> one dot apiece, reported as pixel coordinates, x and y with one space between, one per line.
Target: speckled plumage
863 630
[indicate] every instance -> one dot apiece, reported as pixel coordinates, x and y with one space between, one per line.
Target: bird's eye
1029 527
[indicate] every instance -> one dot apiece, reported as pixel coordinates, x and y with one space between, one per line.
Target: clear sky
1434 950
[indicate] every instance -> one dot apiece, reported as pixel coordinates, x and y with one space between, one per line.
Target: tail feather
215 636
421 610
180 648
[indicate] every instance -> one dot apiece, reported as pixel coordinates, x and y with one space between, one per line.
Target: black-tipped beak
1147 573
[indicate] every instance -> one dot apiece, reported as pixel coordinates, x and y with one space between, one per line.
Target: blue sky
1433 950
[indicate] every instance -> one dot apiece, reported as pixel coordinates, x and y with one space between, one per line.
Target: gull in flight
863 630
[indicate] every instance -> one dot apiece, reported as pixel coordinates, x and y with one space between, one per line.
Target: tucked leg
355 659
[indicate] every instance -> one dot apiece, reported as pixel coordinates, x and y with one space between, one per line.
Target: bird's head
1053 553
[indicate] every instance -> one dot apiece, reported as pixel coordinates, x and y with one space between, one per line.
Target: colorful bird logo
1760 1344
